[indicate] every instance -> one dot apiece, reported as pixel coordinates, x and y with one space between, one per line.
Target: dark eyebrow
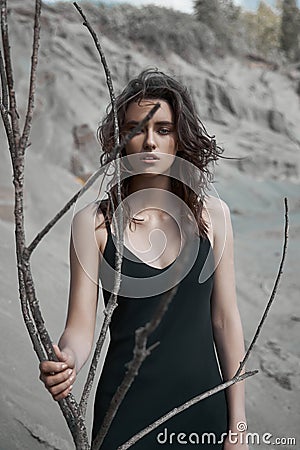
163 122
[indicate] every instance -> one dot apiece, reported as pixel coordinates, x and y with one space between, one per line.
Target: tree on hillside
268 25
208 12
290 29
262 30
219 16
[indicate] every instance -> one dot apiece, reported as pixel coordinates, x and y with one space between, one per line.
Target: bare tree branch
274 291
109 83
90 181
9 72
32 84
4 105
8 130
30 325
35 323
183 407
27 291
108 312
63 211
140 353
4 96
119 253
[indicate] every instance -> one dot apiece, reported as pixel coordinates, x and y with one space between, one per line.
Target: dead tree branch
9 74
30 308
32 83
274 290
117 149
112 302
109 82
183 407
140 353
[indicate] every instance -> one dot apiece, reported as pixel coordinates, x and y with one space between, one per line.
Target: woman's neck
141 182
152 194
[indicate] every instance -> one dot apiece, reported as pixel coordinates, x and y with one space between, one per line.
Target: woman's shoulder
216 207
92 212
217 216
90 219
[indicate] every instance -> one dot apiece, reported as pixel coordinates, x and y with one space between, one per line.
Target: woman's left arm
226 321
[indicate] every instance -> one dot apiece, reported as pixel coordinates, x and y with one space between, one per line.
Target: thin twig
111 306
106 70
9 131
4 108
90 181
119 254
140 353
30 325
274 290
4 95
109 83
34 62
183 407
64 210
9 73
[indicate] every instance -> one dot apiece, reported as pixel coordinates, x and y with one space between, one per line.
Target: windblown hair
194 143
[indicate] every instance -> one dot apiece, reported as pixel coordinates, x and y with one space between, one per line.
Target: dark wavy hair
194 143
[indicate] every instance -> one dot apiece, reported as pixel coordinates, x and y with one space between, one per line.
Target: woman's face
155 146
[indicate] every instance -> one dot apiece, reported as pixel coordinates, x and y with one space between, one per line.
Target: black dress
183 365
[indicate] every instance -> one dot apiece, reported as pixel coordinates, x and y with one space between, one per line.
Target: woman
165 162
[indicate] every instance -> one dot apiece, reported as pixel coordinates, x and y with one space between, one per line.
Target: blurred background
241 63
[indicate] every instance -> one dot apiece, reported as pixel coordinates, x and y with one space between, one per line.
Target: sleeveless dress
181 366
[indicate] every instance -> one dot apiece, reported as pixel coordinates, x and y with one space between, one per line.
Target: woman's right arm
76 341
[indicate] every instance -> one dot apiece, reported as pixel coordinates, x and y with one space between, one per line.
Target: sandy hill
253 109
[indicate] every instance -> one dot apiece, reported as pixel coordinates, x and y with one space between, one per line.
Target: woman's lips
150 157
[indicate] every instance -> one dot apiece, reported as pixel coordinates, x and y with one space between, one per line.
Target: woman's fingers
58 377
63 394
52 367
53 380
61 385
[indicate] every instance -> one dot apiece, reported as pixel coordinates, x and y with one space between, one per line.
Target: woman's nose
149 140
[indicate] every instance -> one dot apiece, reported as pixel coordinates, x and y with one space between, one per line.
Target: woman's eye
164 131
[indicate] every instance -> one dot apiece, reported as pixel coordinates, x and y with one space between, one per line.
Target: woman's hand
59 377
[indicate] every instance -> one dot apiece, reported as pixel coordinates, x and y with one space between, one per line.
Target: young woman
168 213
